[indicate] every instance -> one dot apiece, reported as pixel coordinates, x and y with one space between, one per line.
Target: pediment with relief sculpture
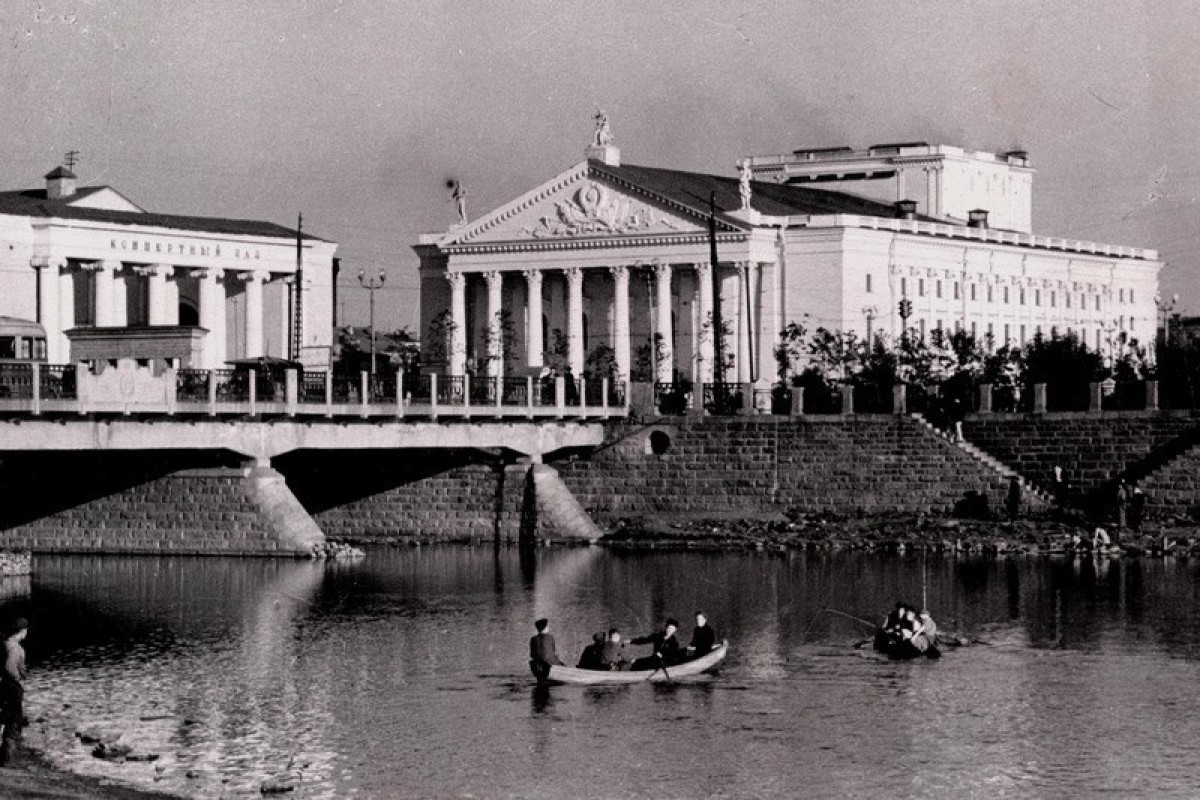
575 205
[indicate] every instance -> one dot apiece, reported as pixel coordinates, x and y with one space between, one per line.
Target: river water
404 675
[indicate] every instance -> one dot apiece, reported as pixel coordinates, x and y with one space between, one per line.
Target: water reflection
405 675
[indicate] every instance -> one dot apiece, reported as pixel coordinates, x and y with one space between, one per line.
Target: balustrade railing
191 385
310 388
450 389
723 399
514 392
233 386
383 390
58 382
16 381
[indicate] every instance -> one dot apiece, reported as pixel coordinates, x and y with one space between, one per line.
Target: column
534 356
156 281
104 289
665 351
754 321
212 316
575 353
170 296
707 332
621 337
48 306
457 345
66 310
495 323
743 325
254 312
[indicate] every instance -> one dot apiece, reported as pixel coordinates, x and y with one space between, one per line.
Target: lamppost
372 284
1165 308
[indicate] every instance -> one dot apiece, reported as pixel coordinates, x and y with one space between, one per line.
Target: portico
95 259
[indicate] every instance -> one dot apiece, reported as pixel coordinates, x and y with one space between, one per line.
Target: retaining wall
842 465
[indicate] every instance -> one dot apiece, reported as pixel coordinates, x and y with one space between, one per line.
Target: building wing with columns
615 255
87 257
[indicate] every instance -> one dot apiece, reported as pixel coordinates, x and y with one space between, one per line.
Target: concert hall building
86 258
613 255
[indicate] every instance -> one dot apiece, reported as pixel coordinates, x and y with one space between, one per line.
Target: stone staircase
1029 491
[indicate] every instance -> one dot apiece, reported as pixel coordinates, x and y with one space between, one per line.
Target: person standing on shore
1012 503
1121 501
12 689
1062 487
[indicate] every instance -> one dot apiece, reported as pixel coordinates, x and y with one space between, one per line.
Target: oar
871 625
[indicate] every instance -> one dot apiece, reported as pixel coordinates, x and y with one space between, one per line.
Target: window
989 293
939 288
1022 296
939 324
1131 323
974 332
1121 295
922 323
1053 299
972 292
868 283
1067 298
1053 331
956 295
903 287
1131 295
1097 302
1037 297
1022 336
1007 334
991 333
958 326
1097 339
1006 295
921 287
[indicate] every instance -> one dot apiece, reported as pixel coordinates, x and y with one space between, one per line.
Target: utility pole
71 159
372 284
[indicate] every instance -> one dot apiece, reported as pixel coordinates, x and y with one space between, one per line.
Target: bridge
266 413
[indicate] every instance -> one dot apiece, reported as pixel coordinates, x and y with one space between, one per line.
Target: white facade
90 257
612 255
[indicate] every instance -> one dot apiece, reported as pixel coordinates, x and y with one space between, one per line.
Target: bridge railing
75 389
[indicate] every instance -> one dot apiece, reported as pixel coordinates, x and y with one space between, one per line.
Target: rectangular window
1053 299
922 329
1097 302
956 290
921 287
990 334
1022 296
1053 331
939 288
1067 298
1131 295
1131 324
1006 295
868 283
1121 295
974 332
904 287
1022 336
958 326
1037 297
1007 335
1082 300
1097 340
939 324
972 292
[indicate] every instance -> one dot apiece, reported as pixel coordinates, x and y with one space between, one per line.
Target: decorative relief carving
595 209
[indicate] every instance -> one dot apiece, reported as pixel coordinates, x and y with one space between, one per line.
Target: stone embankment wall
1154 449
840 465
148 503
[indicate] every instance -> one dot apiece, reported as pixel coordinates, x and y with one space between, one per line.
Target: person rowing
666 648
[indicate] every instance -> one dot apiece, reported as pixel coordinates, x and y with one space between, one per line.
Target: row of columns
747 315
56 302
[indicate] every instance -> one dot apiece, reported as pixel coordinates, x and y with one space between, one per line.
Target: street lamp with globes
1166 308
372 283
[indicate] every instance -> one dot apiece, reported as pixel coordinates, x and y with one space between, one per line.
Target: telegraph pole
372 284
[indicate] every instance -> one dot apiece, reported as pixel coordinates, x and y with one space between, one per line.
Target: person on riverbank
1062 487
613 655
542 652
1137 508
1121 501
593 654
666 647
1012 502
924 635
704 638
12 689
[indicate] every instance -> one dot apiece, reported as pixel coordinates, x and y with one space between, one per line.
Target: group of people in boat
907 631
607 651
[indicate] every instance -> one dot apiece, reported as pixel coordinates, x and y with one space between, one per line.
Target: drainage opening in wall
658 443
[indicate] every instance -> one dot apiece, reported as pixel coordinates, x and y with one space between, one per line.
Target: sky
357 113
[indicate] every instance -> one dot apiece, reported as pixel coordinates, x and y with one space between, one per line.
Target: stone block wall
177 504
1091 448
842 465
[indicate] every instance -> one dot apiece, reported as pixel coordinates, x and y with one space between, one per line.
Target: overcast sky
356 113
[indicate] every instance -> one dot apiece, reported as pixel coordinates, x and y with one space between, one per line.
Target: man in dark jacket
593 655
704 637
613 654
542 653
666 648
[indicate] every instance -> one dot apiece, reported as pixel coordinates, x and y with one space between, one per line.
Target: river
404 675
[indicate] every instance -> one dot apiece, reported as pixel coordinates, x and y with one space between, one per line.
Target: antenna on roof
71 159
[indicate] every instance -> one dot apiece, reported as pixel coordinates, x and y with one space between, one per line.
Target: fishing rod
851 616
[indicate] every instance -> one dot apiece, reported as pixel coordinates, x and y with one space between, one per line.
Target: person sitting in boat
542 653
612 655
897 626
666 648
593 654
704 638
924 635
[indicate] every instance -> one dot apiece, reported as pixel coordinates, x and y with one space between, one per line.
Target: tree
1066 366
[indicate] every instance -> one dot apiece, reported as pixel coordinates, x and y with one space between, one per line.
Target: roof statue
603 134
459 195
744 184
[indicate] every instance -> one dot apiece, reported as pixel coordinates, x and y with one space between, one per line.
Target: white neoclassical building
76 257
618 256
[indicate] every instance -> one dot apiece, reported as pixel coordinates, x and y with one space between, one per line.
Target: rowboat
900 649
594 677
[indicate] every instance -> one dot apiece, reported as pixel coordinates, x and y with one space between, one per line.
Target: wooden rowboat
590 677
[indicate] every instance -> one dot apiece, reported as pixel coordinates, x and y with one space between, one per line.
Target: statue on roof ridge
744 183
603 134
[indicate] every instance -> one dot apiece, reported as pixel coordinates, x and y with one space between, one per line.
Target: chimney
906 209
1020 156
977 218
60 183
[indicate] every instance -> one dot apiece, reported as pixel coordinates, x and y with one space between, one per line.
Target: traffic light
905 308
